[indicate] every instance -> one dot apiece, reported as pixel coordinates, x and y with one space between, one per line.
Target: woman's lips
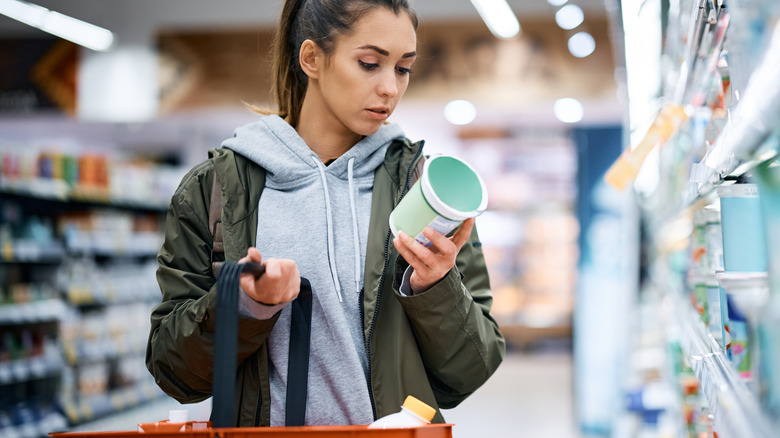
378 113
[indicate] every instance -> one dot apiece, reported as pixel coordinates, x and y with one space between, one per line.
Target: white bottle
413 413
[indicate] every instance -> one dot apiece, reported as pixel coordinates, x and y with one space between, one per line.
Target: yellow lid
418 407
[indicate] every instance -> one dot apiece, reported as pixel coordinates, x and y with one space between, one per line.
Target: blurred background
590 275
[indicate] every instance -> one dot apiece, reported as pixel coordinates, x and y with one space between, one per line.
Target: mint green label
413 213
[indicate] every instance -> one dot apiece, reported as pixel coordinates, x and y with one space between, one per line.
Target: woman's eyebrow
384 52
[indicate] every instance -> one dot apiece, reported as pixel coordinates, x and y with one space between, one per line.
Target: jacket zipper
381 282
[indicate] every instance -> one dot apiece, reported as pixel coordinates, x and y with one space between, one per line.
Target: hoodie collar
276 146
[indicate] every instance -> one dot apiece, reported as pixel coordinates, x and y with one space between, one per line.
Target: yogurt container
448 192
744 242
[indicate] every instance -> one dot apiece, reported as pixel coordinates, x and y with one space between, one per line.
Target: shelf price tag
71 411
86 410
626 168
8 251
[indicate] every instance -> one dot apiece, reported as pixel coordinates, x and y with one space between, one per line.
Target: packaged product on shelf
769 186
698 296
749 37
715 308
713 238
698 243
738 349
744 243
708 299
768 180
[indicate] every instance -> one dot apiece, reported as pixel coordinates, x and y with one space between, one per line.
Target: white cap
178 416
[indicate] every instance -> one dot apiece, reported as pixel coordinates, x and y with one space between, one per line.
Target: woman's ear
310 59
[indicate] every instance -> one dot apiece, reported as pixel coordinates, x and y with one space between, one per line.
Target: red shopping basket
427 431
224 376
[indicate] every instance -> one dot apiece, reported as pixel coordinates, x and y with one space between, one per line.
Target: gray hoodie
318 216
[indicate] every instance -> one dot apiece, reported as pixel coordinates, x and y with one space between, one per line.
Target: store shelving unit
78 286
740 113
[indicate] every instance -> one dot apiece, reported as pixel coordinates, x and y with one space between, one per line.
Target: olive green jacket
440 345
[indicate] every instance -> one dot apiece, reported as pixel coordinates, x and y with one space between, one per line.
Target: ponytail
289 81
320 21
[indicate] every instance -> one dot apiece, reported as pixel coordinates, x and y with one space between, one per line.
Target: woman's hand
432 263
280 283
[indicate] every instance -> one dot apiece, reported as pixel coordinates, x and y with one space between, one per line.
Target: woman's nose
388 85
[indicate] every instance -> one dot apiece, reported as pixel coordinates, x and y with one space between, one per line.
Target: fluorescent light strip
72 29
498 17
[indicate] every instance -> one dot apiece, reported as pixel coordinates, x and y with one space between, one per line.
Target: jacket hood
276 146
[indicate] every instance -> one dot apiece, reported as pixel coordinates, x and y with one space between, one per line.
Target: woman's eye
367 66
404 71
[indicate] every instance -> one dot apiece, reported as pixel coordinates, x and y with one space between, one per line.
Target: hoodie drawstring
350 173
329 219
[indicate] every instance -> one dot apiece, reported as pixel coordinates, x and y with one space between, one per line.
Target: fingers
280 283
407 247
253 255
464 232
432 263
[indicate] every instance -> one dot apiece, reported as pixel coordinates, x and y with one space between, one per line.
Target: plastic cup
744 242
448 192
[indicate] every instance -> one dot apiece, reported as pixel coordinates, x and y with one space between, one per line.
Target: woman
308 192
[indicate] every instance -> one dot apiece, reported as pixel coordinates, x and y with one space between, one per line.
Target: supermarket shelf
108 244
98 406
32 312
736 409
25 251
83 352
31 425
741 144
707 190
86 296
23 370
58 191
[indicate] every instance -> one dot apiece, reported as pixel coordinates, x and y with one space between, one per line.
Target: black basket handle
226 347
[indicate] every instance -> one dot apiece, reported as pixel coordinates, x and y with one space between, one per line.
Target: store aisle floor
530 395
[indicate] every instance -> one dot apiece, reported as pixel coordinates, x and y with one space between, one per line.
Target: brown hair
321 21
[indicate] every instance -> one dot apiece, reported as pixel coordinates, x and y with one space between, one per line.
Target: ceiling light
460 112
569 17
556 2
72 29
568 110
581 44
498 17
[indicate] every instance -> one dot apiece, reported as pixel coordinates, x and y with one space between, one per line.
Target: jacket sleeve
179 352
458 339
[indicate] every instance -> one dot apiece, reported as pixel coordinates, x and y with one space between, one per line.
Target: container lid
738 191
734 281
470 185
419 408
178 415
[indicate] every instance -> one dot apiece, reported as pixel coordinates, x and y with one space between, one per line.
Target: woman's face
368 72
